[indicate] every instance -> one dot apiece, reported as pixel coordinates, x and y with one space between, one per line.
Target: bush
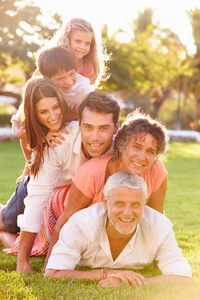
5 119
168 114
197 125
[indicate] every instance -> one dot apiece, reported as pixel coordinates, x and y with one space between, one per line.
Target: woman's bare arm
156 200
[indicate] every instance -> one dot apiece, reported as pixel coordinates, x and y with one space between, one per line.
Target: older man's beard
118 227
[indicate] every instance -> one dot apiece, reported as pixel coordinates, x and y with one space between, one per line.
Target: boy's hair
100 102
50 61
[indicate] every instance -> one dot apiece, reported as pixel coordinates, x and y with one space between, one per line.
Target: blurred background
154 48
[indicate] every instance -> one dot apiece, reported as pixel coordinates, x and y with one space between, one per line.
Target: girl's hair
97 56
37 88
50 61
138 121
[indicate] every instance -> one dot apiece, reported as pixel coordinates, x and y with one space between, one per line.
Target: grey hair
125 179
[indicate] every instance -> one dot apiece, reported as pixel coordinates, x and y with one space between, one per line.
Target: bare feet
25 173
24 267
8 239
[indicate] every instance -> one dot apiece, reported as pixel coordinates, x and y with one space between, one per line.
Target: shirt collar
77 144
104 243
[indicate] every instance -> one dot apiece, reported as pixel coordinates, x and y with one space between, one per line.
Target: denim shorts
15 206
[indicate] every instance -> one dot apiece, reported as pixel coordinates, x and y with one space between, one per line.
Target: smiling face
97 130
65 80
80 42
49 113
125 208
139 154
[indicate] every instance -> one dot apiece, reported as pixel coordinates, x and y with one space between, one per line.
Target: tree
194 81
22 32
144 20
149 66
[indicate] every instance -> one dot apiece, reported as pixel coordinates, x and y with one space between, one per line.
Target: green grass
12 163
181 207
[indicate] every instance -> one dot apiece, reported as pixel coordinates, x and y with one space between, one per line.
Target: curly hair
138 121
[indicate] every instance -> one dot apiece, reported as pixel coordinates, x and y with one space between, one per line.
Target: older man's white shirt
83 239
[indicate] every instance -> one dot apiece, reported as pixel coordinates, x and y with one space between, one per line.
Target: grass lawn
182 207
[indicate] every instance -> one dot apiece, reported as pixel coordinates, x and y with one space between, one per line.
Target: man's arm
113 277
93 275
25 246
134 279
77 201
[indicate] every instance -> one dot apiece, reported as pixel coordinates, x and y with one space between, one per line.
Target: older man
121 232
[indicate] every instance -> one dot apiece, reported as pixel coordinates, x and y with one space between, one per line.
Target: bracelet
104 273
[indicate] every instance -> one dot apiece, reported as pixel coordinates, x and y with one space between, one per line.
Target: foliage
194 20
168 113
5 119
146 69
197 125
181 206
22 31
150 65
145 19
193 83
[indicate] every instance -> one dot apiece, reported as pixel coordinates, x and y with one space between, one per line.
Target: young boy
60 65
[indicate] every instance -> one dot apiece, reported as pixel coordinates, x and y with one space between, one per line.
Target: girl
79 35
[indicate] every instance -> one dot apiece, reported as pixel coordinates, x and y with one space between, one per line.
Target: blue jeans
15 206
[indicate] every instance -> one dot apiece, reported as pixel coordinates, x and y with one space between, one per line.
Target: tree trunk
197 110
159 99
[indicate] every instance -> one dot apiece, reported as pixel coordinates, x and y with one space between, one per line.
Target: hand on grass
123 277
